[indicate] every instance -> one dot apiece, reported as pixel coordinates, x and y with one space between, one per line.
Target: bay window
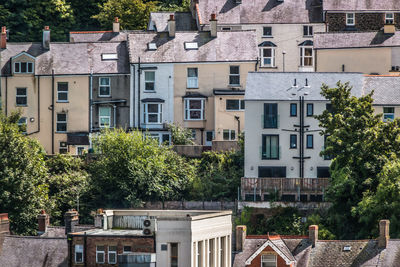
194 109
152 113
267 57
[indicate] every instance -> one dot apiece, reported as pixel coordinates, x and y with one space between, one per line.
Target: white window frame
66 122
78 148
105 86
263 35
265 260
146 113
62 92
388 113
21 96
27 67
23 121
79 249
112 252
352 19
234 75
192 82
230 133
188 110
272 57
105 117
63 149
303 56
308 27
150 81
391 20
99 252
241 108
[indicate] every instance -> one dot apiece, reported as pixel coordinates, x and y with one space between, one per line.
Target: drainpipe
38 104
238 120
91 101
115 115
132 97
84 249
52 111
70 251
301 137
6 96
139 70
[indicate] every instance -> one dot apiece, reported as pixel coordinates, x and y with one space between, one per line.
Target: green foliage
133 14
23 192
132 169
180 135
67 182
323 232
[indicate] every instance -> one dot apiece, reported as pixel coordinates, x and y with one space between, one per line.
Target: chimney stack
313 234
116 24
46 37
43 222
171 26
384 237
71 219
3 42
98 219
213 25
240 237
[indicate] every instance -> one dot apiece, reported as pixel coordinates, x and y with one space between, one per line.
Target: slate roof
386 89
97 36
183 21
279 85
34 251
361 5
336 40
260 12
226 47
69 58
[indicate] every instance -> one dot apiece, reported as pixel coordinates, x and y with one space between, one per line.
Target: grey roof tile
386 89
361 5
97 36
227 46
183 21
335 40
272 11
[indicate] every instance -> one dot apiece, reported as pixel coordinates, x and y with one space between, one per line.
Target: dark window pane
310 141
323 172
62 86
17 67
21 100
152 117
267 31
232 104
241 104
21 91
270 147
149 86
209 136
195 104
195 114
272 172
23 67
310 109
234 79
226 135
293 141
270 115
234 69
30 67
61 117
152 108
293 110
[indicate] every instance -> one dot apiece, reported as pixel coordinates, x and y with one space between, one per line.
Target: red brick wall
257 261
138 244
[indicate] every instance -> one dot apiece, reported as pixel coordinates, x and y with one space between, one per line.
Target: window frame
231 135
174 259
105 86
146 113
303 56
78 251
270 29
312 109
126 251
272 57
82 148
234 75
100 252
62 92
240 104
275 261
112 252
62 149
264 156
308 144
146 81
62 122
293 114
23 121
187 109
389 19
22 96
275 126
20 67
307 29
192 79
105 117
293 137
353 19
385 119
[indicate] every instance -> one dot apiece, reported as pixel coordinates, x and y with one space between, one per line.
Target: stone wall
364 22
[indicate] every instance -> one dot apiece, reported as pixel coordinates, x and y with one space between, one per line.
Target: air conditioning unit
63 144
149 226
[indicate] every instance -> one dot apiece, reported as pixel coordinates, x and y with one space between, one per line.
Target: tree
359 143
180 135
23 192
133 168
132 14
67 182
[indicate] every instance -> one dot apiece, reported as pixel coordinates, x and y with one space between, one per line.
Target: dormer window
152 46
389 18
109 56
191 46
23 67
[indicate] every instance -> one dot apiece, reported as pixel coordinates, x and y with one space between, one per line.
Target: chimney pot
383 233
171 17
313 234
3 41
240 237
213 16
43 222
116 19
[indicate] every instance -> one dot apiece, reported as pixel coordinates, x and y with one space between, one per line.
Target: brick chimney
3 42
116 25
43 222
171 26
384 237
71 219
46 37
313 234
240 237
98 219
389 29
213 25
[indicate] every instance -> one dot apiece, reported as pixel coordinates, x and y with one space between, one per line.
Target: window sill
104 96
266 67
192 88
194 120
267 36
308 36
57 132
234 85
21 105
234 110
269 159
149 91
309 148
62 101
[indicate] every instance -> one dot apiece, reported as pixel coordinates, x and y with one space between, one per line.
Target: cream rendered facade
366 60
216 118
38 111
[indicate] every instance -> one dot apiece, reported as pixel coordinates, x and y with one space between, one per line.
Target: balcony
284 189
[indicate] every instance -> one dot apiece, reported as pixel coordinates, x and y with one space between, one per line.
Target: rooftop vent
110 56
152 46
347 248
307 84
191 46
295 83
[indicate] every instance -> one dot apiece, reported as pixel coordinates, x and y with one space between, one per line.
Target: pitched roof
386 89
279 85
361 5
69 58
34 251
249 12
97 36
183 21
337 40
227 46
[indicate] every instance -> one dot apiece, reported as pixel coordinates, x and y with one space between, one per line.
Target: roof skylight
191 46
151 46
109 56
